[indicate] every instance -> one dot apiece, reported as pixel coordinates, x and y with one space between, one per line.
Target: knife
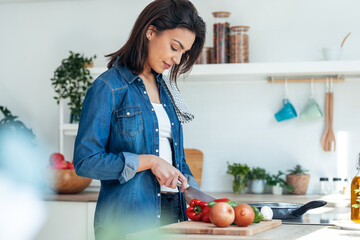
193 193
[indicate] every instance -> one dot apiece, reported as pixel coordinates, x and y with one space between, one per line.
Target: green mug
312 111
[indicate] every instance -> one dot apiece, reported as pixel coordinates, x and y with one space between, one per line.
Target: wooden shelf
263 71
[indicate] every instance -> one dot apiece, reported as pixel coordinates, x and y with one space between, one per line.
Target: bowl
67 181
332 53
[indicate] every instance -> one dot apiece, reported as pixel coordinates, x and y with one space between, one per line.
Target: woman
130 134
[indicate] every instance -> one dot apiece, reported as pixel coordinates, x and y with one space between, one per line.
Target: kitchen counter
283 232
91 195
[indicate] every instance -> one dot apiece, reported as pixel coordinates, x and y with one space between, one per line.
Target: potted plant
240 173
9 125
257 176
278 183
298 178
71 80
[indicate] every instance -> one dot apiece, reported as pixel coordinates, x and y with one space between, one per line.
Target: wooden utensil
324 136
342 44
209 228
330 139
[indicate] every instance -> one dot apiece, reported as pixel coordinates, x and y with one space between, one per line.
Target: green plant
71 80
357 205
238 169
273 180
240 173
298 170
257 173
10 125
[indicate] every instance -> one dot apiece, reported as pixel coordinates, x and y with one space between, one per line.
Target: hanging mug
312 111
287 112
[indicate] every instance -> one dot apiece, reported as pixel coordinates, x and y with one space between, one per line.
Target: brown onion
244 215
222 214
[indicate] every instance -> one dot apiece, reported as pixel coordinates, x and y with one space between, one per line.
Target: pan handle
310 205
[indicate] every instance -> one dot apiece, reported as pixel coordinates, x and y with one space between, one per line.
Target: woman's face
166 48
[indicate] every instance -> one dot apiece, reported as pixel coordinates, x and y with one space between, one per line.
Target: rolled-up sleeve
90 158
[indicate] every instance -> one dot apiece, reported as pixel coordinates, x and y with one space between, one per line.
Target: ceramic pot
277 189
299 181
258 186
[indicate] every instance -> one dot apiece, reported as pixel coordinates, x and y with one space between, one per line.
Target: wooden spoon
342 44
330 140
326 130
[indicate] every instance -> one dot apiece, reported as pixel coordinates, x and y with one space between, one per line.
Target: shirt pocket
129 120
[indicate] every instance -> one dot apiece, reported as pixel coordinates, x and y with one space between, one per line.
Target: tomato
61 165
222 214
70 165
244 215
56 157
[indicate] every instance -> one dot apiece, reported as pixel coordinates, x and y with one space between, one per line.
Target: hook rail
302 80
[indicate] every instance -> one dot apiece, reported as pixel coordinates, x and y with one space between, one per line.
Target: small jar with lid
324 186
337 185
221 37
239 44
205 56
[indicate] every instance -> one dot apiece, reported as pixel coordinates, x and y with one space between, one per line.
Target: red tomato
56 157
222 214
60 165
244 215
70 165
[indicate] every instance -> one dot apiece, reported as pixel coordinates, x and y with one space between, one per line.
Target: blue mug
287 112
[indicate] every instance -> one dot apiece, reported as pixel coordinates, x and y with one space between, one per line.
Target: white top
165 137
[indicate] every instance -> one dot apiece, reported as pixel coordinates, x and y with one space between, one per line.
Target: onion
244 215
222 214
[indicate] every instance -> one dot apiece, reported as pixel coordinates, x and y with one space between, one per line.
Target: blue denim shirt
117 124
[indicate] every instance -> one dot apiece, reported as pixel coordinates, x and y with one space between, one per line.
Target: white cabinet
68 220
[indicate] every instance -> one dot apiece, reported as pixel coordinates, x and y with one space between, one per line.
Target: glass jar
205 56
239 44
337 185
324 185
221 37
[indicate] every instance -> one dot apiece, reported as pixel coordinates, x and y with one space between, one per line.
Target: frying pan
290 210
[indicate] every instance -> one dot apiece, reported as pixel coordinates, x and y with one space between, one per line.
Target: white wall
234 121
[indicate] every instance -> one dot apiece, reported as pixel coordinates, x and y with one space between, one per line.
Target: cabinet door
65 220
90 218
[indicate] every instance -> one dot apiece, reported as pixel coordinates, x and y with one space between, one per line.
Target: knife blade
193 193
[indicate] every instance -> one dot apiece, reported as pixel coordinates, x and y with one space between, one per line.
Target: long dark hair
163 15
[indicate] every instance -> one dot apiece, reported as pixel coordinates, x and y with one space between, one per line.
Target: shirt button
177 165
175 144
152 109
164 105
159 194
172 124
139 79
144 92
157 150
158 216
157 130
128 113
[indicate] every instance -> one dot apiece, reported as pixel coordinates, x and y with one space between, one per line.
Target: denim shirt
117 124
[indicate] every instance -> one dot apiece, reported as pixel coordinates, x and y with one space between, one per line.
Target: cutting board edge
233 230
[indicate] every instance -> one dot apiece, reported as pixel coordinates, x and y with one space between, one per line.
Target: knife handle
179 184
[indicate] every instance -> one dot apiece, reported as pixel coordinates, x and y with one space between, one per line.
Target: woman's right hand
167 174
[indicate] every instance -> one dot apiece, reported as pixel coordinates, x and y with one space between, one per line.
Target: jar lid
221 14
336 179
238 28
324 179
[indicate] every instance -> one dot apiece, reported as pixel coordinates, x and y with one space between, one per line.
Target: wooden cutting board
209 228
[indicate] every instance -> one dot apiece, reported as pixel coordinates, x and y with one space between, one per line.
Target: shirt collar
129 76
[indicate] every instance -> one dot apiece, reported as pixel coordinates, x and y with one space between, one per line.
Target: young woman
130 134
